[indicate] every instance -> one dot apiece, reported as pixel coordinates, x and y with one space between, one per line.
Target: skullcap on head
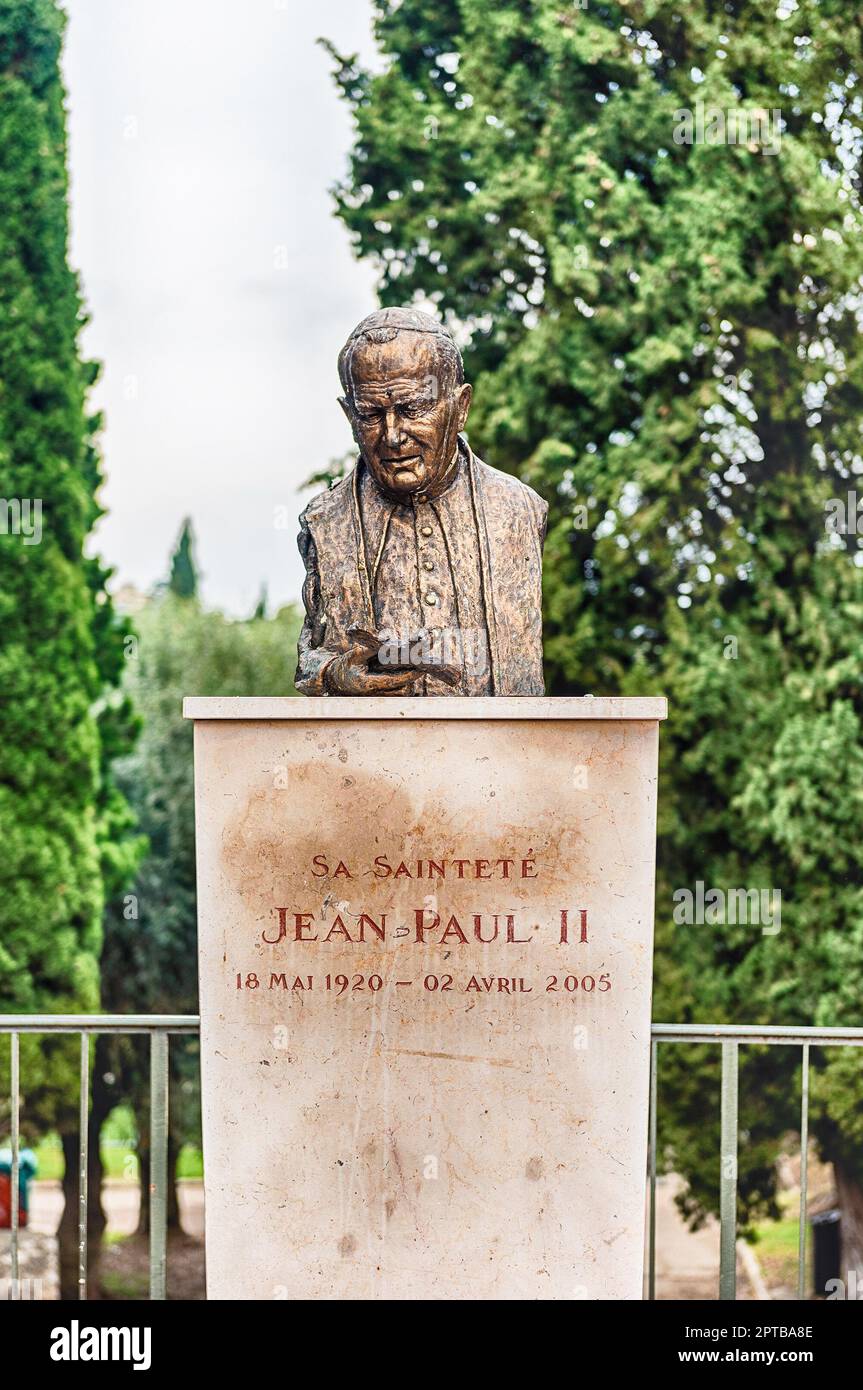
410 320
383 325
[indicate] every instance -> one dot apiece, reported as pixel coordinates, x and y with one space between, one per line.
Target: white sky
204 136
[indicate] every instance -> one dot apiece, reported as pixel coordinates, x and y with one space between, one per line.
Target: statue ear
464 399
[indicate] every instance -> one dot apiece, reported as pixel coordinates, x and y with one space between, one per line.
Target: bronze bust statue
423 565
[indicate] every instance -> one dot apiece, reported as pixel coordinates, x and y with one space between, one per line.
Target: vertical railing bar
651 1150
804 1170
83 1156
15 1088
158 1164
728 1175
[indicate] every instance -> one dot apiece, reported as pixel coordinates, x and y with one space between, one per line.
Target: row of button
431 597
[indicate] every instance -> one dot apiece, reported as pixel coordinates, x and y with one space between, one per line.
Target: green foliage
664 341
62 824
149 960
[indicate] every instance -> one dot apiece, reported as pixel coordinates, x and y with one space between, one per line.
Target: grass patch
777 1245
49 1156
119 1148
190 1162
125 1286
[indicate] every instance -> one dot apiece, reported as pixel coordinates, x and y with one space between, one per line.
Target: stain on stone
347 1246
534 1169
390 1206
353 806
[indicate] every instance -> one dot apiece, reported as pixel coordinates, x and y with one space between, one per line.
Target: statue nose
395 432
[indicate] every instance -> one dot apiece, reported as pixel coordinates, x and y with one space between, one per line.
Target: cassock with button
466 562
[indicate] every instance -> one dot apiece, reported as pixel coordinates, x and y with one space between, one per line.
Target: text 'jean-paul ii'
425 925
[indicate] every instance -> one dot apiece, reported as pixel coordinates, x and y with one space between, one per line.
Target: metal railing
729 1036
160 1027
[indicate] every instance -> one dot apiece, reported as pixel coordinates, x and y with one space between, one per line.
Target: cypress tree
62 823
183 579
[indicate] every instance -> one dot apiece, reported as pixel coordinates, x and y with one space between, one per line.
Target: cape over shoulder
494 478
332 500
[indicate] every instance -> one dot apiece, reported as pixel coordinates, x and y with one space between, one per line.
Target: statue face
404 416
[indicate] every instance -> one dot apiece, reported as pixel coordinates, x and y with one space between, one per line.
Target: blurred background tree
65 829
183 579
149 957
664 341
78 929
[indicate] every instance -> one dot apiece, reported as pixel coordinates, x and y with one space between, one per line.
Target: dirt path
687 1262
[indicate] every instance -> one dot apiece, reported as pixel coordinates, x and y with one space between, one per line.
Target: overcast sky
204 135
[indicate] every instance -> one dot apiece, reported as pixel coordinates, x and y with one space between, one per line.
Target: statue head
406 400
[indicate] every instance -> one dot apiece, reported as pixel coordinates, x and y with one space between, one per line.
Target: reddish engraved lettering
564 925
383 867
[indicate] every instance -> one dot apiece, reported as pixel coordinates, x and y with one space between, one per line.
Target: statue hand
349 673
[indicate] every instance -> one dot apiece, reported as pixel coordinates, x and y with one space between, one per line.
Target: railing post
83 1151
16 1091
728 1175
804 1171
651 1158
158 1164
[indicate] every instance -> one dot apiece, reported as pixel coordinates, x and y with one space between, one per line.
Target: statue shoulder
326 505
494 482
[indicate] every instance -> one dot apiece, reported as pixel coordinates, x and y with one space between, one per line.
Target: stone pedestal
425 936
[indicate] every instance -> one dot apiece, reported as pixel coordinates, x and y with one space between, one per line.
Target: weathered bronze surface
423 565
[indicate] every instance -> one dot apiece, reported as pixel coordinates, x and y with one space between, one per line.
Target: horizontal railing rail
755 1033
160 1027
99 1023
